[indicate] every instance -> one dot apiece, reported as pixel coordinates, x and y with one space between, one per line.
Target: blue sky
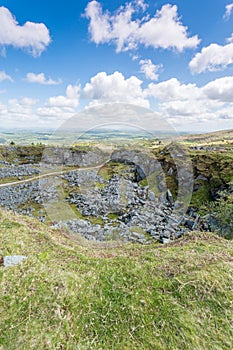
57 58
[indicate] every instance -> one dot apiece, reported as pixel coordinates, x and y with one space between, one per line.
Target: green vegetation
219 213
22 154
213 174
211 156
202 195
215 167
112 216
96 220
72 296
5 180
218 138
112 168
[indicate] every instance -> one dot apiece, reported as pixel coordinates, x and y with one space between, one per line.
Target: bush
220 213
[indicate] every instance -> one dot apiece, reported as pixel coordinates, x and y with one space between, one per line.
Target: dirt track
38 177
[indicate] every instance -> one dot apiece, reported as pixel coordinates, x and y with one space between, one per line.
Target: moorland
127 247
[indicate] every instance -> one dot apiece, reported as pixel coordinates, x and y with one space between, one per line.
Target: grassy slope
212 137
67 296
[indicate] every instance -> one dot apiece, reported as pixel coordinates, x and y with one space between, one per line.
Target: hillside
69 296
220 137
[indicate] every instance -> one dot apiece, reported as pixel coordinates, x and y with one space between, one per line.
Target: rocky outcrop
117 208
72 156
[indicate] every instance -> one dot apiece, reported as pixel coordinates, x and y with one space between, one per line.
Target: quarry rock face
75 157
118 207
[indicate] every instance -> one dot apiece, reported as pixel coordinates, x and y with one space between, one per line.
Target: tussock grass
69 296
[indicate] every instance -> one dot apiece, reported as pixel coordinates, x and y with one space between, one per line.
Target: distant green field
70 137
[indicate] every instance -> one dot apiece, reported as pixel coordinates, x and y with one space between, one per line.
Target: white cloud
182 108
99 26
185 106
141 4
41 79
115 87
155 31
3 110
31 36
134 57
230 39
4 76
71 99
212 58
189 107
220 89
27 101
54 113
20 110
228 12
172 90
127 33
149 69
28 112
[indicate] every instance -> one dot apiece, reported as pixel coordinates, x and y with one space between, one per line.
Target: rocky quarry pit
125 199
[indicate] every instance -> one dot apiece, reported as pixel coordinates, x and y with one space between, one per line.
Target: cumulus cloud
186 106
20 110
54 114
220 89
212 58
172 90
149 69
115 87
28 112
4 76
41 79
228 11
71 98
127 33
33 37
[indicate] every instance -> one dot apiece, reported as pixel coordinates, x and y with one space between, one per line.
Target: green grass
5 180
112 216
112 168
96 220
72 296
202 195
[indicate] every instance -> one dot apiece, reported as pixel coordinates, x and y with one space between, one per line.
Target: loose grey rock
13 260
120 203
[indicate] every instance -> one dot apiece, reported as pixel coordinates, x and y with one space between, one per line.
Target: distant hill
217 136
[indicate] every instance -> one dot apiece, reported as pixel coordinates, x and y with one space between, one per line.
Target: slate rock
13 260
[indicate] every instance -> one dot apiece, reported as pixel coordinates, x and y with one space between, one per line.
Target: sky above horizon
174 58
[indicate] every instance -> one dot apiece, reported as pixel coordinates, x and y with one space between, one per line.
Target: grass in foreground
67 296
